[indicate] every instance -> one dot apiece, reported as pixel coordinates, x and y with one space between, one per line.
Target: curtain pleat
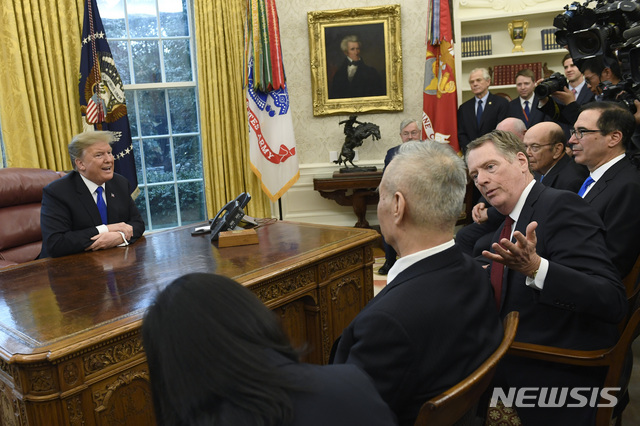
225 138
39 42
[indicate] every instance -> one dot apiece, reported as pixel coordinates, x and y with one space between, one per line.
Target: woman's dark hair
205 337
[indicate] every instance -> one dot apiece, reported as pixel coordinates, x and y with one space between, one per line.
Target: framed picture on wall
356 60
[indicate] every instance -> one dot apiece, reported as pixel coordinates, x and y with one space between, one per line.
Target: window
152 43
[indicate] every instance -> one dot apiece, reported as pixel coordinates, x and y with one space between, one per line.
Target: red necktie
497 268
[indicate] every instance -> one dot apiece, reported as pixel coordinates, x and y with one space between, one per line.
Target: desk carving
70 344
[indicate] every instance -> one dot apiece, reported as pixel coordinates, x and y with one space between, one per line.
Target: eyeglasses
413 133
536 147
579 133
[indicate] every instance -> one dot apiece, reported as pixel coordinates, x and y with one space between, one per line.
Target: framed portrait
356 60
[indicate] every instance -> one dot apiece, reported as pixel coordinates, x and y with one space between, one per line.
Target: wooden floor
631 415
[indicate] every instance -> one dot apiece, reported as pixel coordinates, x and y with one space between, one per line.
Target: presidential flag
102 99
272 144
440 100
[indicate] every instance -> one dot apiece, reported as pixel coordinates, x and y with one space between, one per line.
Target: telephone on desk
228 217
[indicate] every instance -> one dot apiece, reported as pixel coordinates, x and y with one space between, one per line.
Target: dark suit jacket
391 152
69 214
616 198
425 331
494 112
579 307
535 115
566 174
366 82
337 395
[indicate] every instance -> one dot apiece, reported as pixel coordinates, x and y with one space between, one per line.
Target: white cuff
538 281
102 229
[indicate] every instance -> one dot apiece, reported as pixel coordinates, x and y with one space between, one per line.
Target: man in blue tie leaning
90 208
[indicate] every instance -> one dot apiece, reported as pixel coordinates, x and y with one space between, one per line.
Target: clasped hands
520 256
112 238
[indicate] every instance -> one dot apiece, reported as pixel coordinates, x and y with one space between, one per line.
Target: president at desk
90 208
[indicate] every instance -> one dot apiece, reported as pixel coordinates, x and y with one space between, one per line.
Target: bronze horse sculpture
354 138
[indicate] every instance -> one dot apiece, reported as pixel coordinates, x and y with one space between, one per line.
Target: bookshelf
481 21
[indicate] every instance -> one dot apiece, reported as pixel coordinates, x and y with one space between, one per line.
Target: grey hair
82 141
350 38
513 125
485 73
433 179
406 122
505 142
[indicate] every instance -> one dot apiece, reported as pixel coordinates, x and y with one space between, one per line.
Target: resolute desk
70 348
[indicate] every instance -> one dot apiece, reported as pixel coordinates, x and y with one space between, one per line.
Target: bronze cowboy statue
354 136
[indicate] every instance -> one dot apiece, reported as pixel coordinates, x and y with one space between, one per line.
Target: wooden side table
351 189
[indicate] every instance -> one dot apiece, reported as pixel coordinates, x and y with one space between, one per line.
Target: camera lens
588 43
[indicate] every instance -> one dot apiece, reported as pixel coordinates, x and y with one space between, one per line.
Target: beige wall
316 136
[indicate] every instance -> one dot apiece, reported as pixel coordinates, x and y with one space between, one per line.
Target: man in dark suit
545 146
483 112
524 106
435 321
355 79
602 134
91 207
556 273
409 131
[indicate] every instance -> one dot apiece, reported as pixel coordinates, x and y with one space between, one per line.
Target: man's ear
79 164
615 138
399 207
558 149
523 160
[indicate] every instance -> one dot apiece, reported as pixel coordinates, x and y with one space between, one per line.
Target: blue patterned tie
588 181
102 207
479 112
526 110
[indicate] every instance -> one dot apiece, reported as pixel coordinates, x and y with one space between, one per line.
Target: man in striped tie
91 207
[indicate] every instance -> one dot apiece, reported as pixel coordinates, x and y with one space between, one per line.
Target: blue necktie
526 110
479 112
102 207
588 181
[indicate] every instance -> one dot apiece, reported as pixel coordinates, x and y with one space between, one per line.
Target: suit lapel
602 183
86 199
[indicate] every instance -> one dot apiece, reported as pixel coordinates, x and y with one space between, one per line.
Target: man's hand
479 213
565 96
520 256
105 240
126 229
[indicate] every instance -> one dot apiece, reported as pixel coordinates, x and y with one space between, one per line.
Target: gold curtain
223 118
39 47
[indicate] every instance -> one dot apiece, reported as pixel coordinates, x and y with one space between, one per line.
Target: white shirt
538 281
530 100
92 186
600 171
578 88
406 261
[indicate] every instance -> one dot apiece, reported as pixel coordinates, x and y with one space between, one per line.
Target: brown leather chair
452 405
20 200
613 358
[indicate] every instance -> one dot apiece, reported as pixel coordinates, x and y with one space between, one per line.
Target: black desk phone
229 216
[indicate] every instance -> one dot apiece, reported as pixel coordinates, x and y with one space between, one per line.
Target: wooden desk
70 349
362 187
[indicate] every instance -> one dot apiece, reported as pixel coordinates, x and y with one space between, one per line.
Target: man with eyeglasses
409 131
549 262
545 146
599 140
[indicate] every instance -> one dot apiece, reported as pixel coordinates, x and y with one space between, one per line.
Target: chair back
20 201
451 405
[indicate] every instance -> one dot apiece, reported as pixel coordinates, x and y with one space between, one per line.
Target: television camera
610 31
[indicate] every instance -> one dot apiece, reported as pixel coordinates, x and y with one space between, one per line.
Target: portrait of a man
348 75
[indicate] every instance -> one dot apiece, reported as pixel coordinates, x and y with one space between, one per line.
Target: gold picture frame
378 37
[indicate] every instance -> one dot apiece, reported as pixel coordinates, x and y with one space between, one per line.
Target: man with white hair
406 338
